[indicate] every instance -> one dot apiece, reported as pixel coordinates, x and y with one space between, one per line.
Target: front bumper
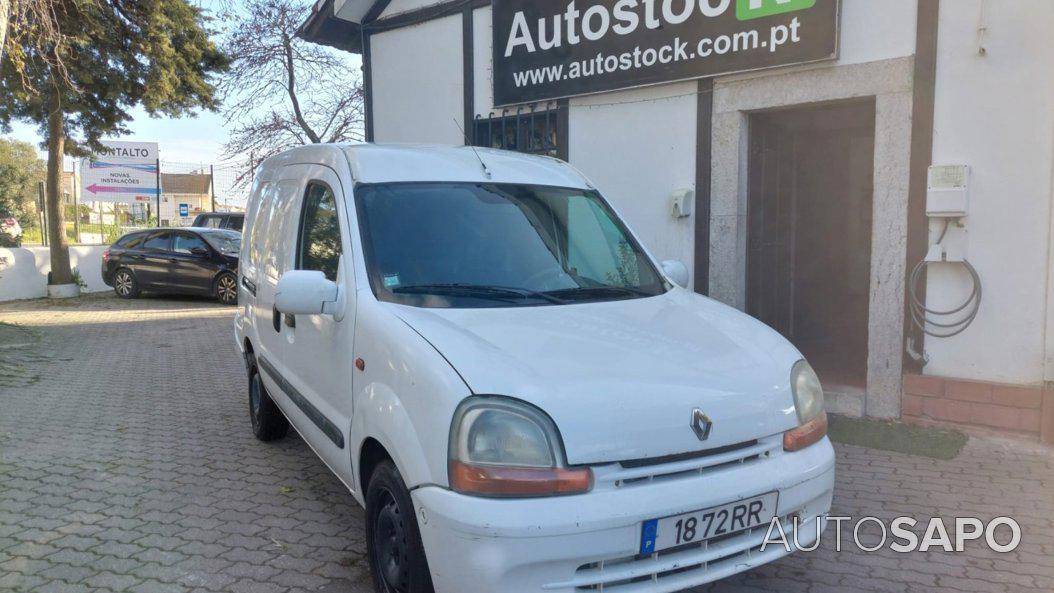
576 543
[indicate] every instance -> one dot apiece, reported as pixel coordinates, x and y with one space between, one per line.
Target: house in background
184 196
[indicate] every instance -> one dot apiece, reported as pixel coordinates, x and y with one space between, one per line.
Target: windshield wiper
505 293
592 292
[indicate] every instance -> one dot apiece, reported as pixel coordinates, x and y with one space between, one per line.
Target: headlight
808 393
808 402
504 447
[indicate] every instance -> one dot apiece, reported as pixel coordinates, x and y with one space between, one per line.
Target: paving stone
112 581
68 573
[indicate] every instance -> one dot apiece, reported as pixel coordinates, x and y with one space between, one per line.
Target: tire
124 284
268 422
393 539
225 288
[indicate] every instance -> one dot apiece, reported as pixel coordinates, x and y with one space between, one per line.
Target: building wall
24 270
638 146
198 203
877 30
995 113
418 85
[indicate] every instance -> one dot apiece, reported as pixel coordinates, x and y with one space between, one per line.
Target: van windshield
466 245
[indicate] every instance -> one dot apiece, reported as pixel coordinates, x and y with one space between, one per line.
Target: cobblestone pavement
127 464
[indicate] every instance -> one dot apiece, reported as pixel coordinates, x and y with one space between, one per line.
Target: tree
31 23
20 171
108 57
280 91
5 14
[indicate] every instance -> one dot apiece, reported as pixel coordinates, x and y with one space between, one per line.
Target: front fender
380 415
405 397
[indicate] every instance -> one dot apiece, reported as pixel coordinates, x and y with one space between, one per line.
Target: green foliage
78 279
20 172
112 56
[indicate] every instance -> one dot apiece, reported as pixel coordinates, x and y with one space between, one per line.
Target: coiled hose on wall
940 324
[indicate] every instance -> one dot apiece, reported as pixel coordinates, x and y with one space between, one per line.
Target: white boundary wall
24 270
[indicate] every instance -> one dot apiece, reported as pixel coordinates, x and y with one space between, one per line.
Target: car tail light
518 481
106 256
807 434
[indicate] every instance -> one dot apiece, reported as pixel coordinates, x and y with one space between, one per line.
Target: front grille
648 461
692 564
641 471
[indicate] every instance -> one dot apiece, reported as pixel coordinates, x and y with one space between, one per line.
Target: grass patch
897 436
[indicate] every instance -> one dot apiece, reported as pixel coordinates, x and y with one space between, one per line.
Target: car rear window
159 241
129 241
224 241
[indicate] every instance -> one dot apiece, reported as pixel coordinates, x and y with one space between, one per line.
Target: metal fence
187 189
533 129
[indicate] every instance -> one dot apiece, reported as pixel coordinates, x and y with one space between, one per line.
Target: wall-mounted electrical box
681 202
948 191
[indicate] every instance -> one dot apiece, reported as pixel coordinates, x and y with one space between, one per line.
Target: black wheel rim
123 283
255 395
389 544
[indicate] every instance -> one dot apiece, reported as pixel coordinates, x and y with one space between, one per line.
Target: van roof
393 163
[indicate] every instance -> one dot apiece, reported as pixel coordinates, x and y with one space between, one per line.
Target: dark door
192 266
809 232
153 260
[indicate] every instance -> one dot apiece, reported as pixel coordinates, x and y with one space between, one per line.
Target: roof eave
325 28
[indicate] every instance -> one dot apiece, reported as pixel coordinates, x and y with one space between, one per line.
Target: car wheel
393 540
226 288
269 424
125 284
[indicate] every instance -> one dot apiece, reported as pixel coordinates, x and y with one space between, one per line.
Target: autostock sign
549 49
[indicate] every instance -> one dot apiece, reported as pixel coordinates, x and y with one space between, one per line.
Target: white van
522 398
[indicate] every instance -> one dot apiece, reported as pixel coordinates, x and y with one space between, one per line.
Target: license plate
698 526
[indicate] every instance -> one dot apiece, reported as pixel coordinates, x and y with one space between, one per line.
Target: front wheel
393 540
226 288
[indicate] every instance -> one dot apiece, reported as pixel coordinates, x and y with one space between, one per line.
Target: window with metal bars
533 129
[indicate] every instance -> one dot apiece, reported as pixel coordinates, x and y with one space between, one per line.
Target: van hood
621 378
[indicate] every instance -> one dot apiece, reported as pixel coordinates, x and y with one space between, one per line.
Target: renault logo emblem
701 424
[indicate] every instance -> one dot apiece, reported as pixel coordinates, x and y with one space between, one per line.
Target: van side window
318 245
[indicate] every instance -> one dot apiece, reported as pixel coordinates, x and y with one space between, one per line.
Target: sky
186 140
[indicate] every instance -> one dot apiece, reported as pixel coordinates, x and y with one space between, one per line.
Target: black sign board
548 49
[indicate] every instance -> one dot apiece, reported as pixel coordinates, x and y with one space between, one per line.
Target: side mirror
302 292
199 251
676 271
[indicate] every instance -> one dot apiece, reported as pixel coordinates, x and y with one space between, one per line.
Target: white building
780 148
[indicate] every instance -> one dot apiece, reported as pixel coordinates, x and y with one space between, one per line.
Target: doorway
809 221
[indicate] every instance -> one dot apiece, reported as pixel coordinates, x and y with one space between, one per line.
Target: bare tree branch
282 91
